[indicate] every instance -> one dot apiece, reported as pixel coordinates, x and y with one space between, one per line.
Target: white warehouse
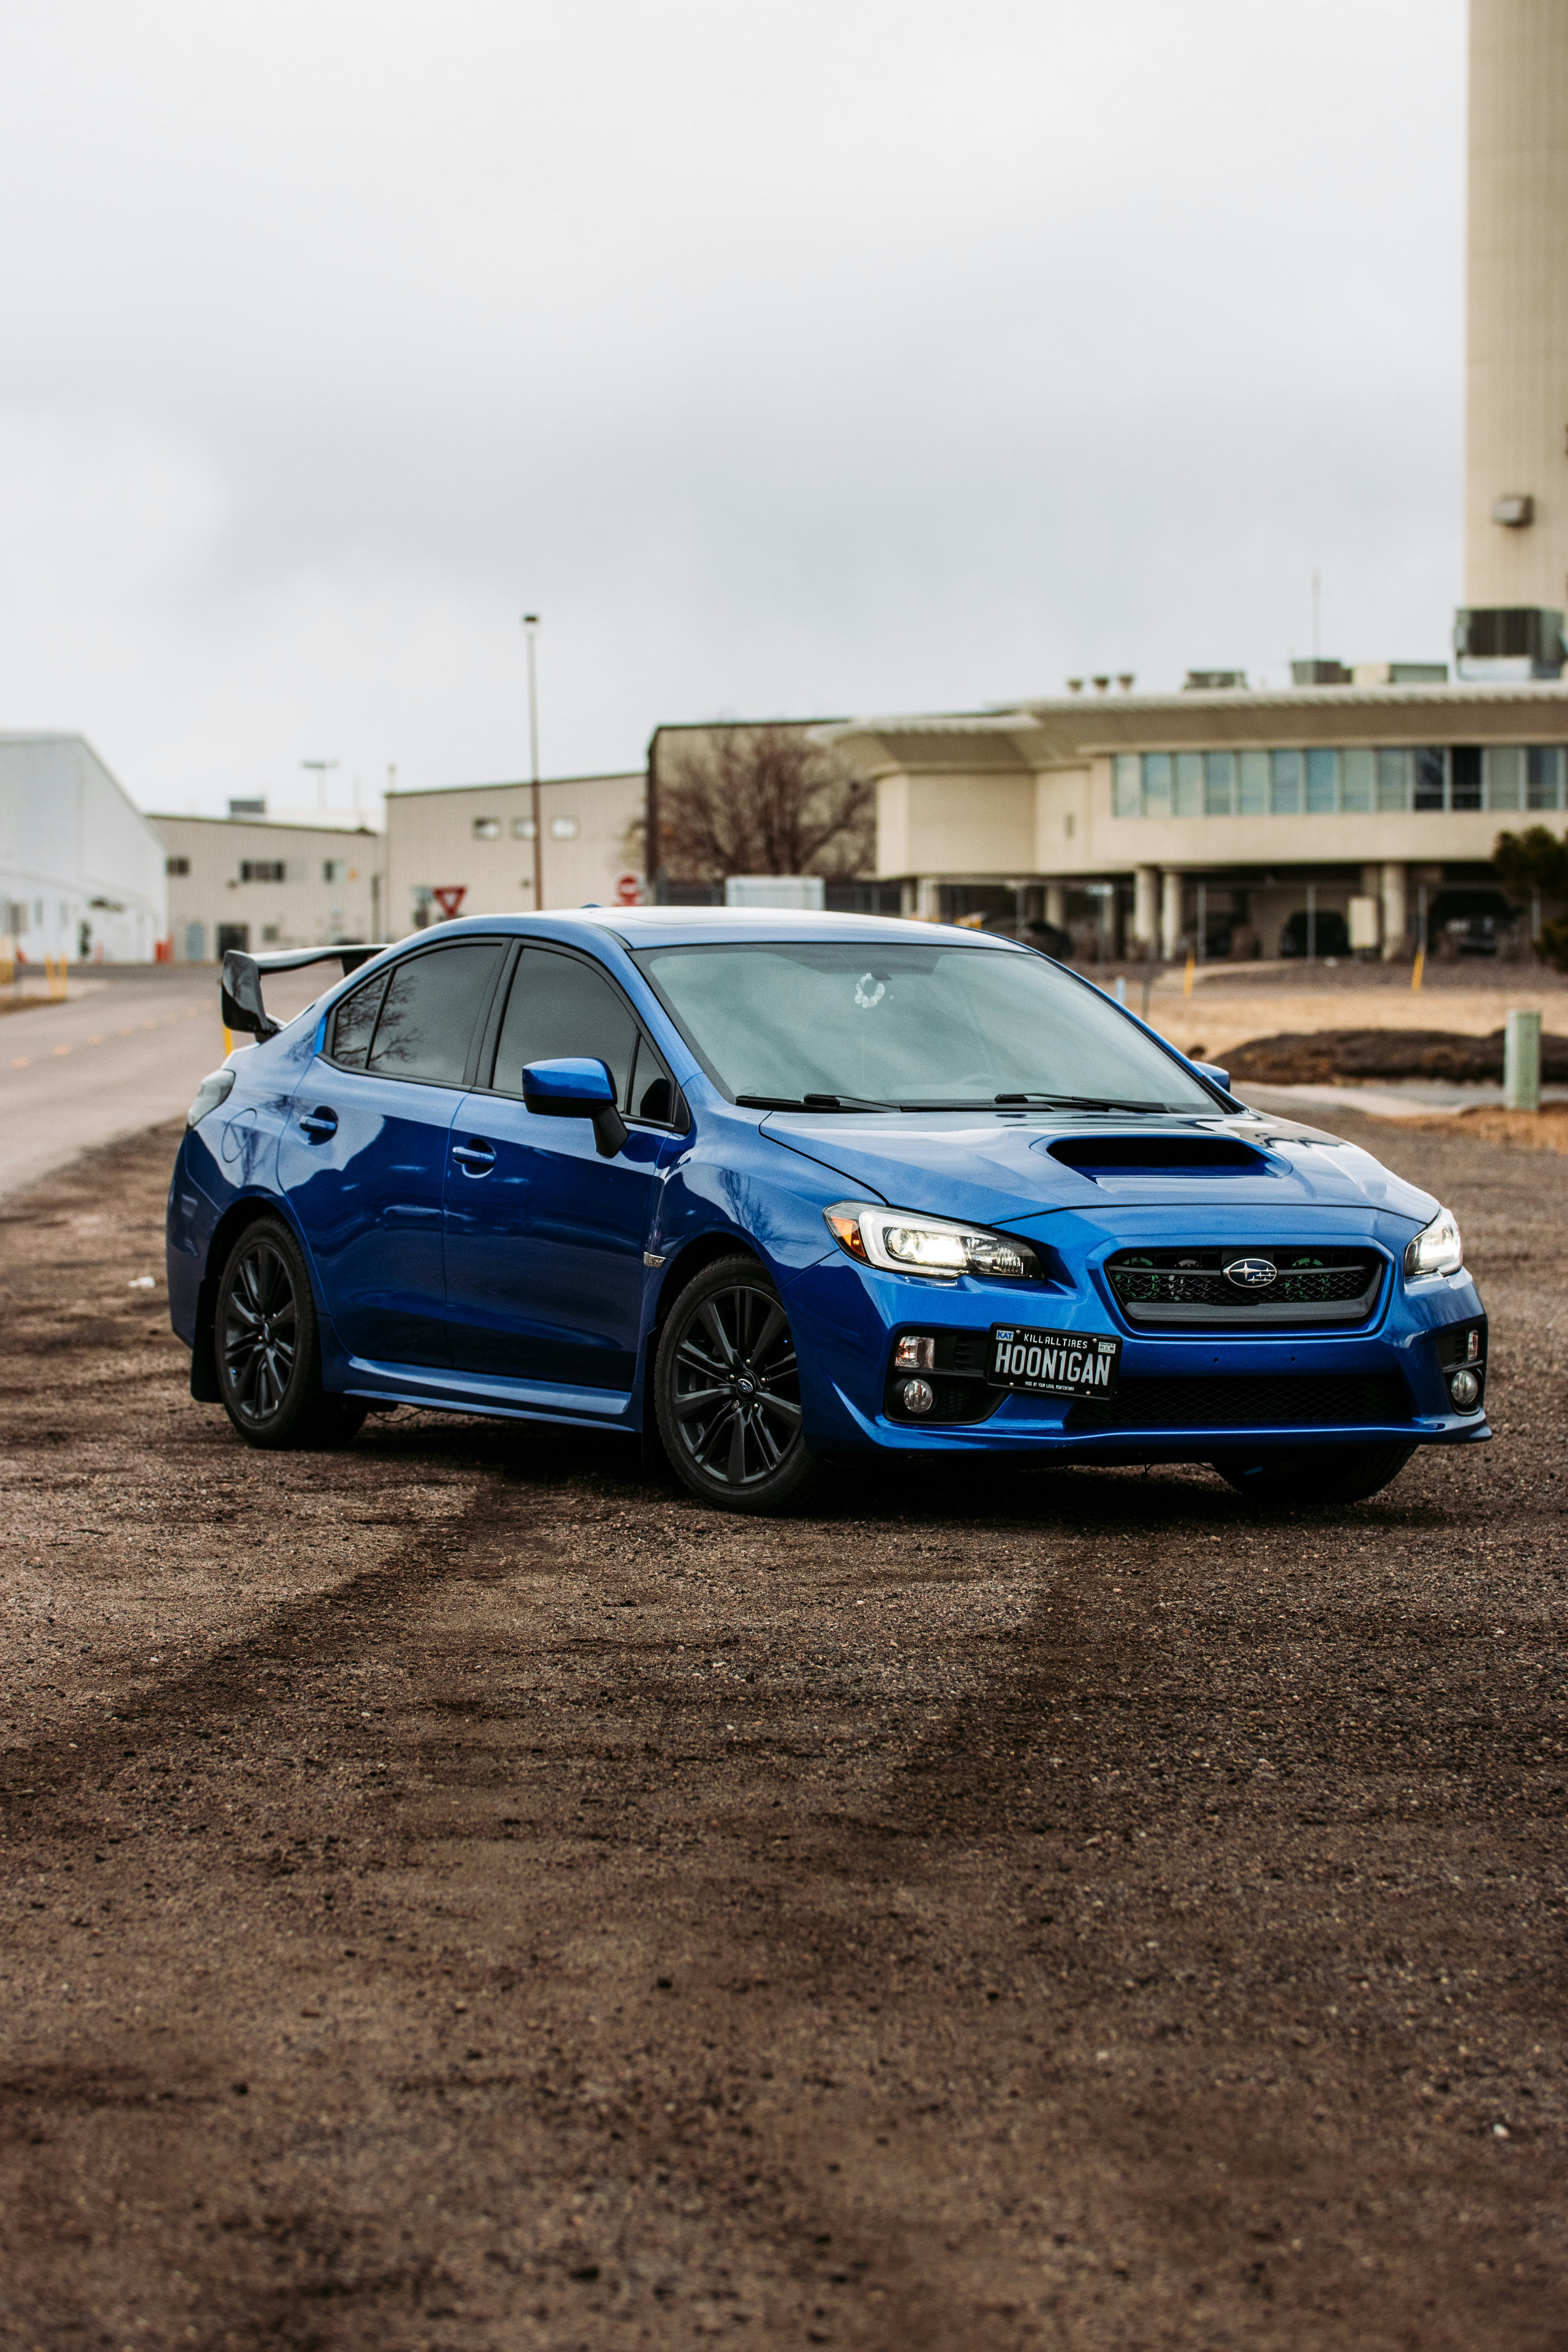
81 869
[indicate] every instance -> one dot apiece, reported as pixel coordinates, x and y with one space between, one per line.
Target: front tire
727 1391
1349 1475
266 1346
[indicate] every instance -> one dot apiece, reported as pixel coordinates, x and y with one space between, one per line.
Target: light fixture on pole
321 770
531 624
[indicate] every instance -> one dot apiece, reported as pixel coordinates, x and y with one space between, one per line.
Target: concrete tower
1516 454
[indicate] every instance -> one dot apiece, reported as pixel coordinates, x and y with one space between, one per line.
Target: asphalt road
124 1050
462 1894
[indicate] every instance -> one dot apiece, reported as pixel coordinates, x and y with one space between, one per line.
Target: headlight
1437 1248
214 1089
902 1243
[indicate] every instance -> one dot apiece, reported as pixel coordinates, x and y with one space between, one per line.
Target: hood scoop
1157 1155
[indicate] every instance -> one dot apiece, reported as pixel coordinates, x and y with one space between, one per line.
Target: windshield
909 1026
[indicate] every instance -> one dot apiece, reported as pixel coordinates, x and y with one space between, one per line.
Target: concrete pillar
928 899
1146 906
1057 904
1170 914
1395 913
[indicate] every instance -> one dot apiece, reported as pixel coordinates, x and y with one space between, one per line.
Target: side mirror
240 989
577 1088
1211 1070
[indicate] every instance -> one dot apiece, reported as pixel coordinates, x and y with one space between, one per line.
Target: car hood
993 1170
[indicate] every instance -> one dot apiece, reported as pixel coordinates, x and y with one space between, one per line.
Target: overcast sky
835 357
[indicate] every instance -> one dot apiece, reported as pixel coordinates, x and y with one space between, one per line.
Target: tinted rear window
432 1006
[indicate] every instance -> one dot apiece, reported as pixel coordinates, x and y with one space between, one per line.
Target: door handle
476 1159
319 1123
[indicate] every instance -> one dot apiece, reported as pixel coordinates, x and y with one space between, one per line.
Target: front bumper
1183 1396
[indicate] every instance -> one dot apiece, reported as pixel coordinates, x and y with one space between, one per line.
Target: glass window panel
1219 784
1189 798
902 1023
1431 776
353 1020
1157 784
1545 787
652 1089
558 1009
1285 789
1393 774
427 1020
1126 785
1504 766
1465 776
1252 788
1322 781
1356 773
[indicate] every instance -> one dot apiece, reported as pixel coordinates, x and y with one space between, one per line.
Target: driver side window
559 1008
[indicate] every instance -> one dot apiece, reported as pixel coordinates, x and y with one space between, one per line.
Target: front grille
1189 1289
1239 1400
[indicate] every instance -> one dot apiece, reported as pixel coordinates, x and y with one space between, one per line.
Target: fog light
920 1396
914 1354
1462 1387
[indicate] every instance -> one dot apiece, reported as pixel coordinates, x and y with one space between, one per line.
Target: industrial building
469 849
82 870
243 881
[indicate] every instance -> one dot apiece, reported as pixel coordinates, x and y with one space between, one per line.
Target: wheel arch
247 1211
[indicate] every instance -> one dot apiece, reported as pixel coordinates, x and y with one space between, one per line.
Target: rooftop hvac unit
1215 681
1504 641
1319 673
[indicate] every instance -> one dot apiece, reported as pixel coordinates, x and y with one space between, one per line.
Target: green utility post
1521 1062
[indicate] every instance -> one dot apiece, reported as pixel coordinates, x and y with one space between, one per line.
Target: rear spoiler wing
240 986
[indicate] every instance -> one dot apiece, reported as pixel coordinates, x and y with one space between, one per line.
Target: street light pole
531 624
322 770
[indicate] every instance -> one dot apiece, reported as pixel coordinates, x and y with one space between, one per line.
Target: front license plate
1053 1363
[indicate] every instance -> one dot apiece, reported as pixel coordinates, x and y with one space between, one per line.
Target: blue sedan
789 1189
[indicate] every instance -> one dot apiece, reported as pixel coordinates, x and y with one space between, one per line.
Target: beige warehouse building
1354 802
469 849
243 881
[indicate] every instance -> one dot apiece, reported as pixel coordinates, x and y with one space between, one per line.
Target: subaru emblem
1251 1273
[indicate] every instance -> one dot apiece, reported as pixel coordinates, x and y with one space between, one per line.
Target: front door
362 1160
544 1239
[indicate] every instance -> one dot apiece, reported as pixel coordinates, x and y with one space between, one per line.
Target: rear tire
267 1347
1349 1475
727 1391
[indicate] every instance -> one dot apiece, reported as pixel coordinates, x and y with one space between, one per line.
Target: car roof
646 927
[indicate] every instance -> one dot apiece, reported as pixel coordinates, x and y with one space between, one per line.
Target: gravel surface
461 1894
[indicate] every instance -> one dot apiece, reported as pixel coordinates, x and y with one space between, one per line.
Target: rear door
544 1238
363 1157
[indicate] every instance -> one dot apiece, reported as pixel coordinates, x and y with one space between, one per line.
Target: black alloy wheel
267 1347
728 1391
1289 1477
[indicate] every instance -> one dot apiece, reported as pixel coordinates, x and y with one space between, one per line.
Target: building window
1219 784
333 869
563 828
176 864
1323 782
1545 791
487 828
270 934
261 869
523 828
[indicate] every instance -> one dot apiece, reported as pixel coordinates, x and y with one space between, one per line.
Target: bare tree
763 799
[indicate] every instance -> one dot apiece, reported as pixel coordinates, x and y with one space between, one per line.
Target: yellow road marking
62 1049
22 1062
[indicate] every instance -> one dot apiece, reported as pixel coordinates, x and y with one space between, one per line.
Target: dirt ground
461 1894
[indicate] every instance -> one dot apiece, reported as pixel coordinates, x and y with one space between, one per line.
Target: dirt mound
1319 1056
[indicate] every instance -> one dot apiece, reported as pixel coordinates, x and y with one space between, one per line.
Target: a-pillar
1170 914
1146 906
1395 913
1057 904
